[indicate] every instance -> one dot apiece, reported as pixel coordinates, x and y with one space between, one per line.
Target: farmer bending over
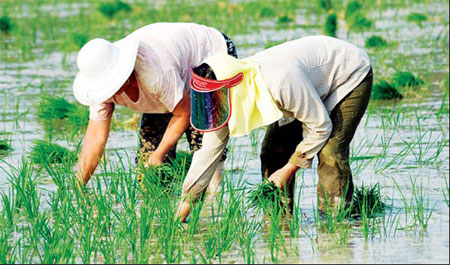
311 92
148 71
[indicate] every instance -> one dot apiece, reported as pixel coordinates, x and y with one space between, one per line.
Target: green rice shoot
417 18
113 8
5 24
44 152
266 12
331 25
359 23
406 79
352 8
368 200
54 108
384 90
265 196
325 4
285 19
5 146
375 42
54 111
168 174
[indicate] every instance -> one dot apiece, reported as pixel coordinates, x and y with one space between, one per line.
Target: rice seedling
446 191
333 222
285 19
168 175
331 24
112 8
5 24
44 152
354 17
359 23
406 79
417 18
375 42
417 209
266 12
368 200
5 146
266 196
79 39
77 119
56 112
384 90
325 4
445 84
54 108
351 8
422 209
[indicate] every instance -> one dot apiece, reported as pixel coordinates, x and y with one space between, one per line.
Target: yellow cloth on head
252 106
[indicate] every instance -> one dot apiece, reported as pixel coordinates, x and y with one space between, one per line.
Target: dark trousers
335 176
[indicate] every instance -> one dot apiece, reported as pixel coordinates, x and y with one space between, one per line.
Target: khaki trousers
335 176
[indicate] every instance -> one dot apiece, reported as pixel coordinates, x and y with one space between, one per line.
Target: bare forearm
90 157
177 126
92 151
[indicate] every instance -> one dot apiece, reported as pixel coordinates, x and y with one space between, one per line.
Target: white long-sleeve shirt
173 50
307 78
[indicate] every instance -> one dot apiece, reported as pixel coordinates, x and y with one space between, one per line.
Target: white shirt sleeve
299 97
205 162
101 112
169 89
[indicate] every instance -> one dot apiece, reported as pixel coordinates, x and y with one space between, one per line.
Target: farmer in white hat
148 71
311 92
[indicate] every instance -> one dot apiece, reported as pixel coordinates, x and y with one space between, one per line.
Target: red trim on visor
202 84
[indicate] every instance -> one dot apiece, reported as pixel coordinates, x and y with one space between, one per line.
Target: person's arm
175 129
204 164
306 106
97 133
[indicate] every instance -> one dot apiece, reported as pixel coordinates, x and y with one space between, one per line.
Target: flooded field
401 144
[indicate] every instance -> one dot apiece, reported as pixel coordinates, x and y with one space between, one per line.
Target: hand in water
282 176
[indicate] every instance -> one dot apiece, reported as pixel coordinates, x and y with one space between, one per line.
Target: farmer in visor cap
148 71
311 92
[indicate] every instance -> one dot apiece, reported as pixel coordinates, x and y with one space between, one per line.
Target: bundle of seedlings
325 4
168 175
44 152
57 112
5 146
331 24
417 18
54 108
406 79
267 197
285 19
376 42
384 90
113 8
368 200
5 24
355 18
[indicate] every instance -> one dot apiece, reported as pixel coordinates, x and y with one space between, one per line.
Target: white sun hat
103 69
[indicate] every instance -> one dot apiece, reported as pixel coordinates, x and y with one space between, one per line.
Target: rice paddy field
399 156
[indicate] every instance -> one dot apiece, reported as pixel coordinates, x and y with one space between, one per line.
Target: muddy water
420 49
